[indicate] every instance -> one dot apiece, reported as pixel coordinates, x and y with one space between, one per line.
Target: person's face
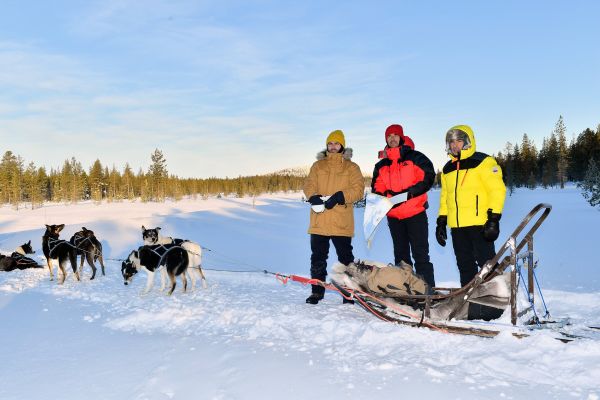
334 147
456 146
393 141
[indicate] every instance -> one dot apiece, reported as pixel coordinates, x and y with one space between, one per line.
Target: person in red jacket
403 169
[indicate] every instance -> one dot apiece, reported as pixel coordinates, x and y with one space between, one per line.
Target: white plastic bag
375 209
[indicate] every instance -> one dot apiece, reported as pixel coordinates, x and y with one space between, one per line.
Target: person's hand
440 230
491 229
315 200
336 198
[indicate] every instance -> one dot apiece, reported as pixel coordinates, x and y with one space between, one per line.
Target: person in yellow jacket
333 184
471 202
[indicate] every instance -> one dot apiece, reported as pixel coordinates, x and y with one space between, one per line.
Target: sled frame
508 255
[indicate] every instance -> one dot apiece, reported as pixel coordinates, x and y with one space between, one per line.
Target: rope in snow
236 263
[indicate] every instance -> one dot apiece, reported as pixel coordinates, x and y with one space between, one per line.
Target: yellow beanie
336 136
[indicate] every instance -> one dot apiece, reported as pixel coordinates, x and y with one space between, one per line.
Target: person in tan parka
333 184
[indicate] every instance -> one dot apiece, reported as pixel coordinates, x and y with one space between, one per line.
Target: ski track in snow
258 309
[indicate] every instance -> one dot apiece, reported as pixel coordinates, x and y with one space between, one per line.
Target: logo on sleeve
495 170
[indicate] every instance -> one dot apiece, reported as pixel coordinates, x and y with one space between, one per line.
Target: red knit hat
394 129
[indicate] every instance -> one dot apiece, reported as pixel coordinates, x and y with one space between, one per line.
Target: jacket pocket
341 218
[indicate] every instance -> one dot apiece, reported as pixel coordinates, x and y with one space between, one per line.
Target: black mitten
440 231
315 200
491 229
336 198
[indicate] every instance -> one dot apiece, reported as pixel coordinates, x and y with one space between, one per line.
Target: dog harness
21 259
53 243
79 239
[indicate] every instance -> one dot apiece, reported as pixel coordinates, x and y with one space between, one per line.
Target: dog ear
29 243
158 228
60 227
83 228
47 227
143 228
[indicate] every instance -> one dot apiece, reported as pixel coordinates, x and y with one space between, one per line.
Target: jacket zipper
476 205
456 192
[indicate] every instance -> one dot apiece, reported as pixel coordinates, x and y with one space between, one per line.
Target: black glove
491 229
440 231
336 198
315 200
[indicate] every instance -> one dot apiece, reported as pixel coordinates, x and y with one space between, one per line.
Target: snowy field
248 336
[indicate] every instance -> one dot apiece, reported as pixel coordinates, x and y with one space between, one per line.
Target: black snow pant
319 246
412 234
471 251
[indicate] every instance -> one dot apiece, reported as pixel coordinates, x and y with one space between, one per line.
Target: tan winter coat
331 173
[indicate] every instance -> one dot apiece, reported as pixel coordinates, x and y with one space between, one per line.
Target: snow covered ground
248 336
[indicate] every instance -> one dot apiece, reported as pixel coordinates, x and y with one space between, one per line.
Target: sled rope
522 280
235 262
529 298
541 295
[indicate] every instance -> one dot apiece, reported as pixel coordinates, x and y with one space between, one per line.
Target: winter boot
318 292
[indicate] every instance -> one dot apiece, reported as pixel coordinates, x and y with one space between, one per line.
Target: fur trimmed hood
346 154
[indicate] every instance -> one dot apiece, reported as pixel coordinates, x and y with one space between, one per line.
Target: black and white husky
169 259
89 248
153 237
18 259
58 249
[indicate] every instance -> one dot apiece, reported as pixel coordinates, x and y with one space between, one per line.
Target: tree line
29 184
555 163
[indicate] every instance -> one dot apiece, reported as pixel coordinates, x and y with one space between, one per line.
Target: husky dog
169 259
153 237
57 249
89 248
18 259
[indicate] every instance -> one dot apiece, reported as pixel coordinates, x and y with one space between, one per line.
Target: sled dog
58 249
153 237
18 259
169 259
89 248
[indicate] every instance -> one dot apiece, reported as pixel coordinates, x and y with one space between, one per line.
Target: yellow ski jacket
471 184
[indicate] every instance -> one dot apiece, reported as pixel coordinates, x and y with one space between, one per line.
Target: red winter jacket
403 169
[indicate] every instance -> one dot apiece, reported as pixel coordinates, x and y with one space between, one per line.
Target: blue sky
230 88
